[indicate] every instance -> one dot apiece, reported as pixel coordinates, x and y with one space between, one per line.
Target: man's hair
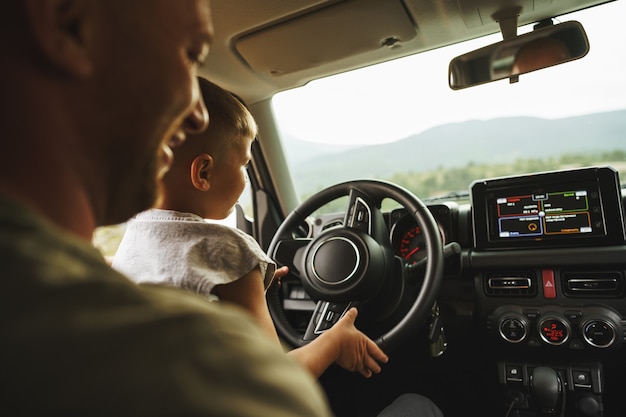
228 116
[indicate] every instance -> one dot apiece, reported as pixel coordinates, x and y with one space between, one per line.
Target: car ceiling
265 46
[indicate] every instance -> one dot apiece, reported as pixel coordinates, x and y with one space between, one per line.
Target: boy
172 243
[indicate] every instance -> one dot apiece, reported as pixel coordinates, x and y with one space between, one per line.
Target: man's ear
201 168
60 28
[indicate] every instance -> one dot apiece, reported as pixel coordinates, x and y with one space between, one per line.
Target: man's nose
198 119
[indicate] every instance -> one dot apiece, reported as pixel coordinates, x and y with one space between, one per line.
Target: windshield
400 121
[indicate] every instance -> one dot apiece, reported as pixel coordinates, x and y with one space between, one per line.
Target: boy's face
228 178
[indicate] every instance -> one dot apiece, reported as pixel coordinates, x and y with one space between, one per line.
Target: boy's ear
201 168
60 30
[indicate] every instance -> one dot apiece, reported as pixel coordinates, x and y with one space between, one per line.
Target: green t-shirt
80 339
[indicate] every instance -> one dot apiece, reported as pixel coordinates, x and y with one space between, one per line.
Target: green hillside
545 144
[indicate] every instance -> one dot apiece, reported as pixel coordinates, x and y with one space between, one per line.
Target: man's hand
357 352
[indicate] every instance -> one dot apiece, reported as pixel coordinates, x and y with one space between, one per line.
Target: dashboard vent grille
593 284
511 284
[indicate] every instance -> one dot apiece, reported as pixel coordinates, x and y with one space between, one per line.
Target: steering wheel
354 264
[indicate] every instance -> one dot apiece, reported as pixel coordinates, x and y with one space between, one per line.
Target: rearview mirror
541 48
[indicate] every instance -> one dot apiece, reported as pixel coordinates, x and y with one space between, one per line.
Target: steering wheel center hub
335 260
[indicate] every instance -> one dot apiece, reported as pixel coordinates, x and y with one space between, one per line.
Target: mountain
446 146
300 151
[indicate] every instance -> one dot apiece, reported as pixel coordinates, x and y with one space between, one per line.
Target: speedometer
412 246
408 240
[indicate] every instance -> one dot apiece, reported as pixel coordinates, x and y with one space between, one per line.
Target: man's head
209 170
540 53
103 88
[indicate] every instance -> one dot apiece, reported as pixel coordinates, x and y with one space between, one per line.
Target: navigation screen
559 208
563 212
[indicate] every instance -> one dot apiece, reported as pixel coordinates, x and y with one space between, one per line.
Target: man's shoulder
132 341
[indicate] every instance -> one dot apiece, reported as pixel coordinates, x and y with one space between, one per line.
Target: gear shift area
547 393
551 389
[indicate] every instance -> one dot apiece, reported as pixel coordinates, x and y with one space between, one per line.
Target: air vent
593 284
510 284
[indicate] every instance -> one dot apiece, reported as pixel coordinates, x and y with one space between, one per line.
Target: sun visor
326 35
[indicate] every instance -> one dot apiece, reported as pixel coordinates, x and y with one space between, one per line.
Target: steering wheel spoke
325 315
359 213
288 252
363 214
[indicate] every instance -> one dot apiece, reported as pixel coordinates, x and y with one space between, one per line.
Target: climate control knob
513 328
599 333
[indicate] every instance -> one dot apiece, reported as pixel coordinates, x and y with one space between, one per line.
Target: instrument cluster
406 234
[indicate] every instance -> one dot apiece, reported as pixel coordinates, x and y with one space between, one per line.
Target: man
540 53
94 95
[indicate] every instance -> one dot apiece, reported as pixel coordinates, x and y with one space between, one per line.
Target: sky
340 109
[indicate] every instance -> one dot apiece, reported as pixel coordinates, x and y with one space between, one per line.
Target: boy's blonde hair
228 117
229 122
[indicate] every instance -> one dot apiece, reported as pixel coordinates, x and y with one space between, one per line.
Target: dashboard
540 283
543 260
543 254
548 266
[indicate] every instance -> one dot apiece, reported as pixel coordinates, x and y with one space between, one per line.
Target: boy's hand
278 274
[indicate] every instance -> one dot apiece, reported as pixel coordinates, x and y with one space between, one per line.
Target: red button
549 290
